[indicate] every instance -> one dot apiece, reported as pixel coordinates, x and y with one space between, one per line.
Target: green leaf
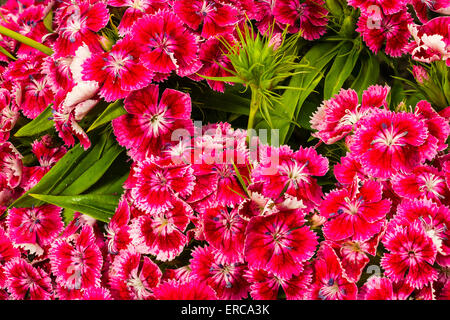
48 21
77 171
94 173
38 125
232 100
368 74
340 70
112 111
100 207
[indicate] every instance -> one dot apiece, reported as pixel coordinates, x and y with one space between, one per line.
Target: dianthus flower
179 290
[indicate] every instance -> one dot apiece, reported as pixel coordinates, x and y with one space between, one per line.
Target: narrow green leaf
367 76
340 70
112 111
100 207
38 125
94 173
65 165
48 21
6 53
25 40
225 79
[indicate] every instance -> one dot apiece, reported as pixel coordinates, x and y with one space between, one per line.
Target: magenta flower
136 9
265 285
7 253
424 182
387 6
37 225
99 293
118 230
348 169
161 234
159 185
76 260
338 116
381 288
149 124
33 95
78 24
225 231
431 41
227 279
214 61
166 44
329 282
179 290
388 142
133 276
378 29
293 173
27 282
356 212
117 71
306 16
411 255
215 17
10 165
9 114
434 219
279 243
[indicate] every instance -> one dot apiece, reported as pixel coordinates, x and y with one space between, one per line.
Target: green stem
25 40
254 106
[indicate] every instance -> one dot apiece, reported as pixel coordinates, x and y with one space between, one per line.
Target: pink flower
388 6
34 95
215 17
58 73
161 234
265 285
227 279
420 74
133 276
434 218
166 44
99 293
37 225
159 185
438 128
27 282
78 24
9 114
136 10
214 60
356 212
76 260
411 255
179 290
387 142
424 182
279 243
379 28
338 116
117 71
293 173
306 16
348 169
10 165
431 41
225 231
149 124
381 288
7 253
118 230
328 281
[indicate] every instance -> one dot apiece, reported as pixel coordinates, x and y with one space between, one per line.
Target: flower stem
254 106
25 40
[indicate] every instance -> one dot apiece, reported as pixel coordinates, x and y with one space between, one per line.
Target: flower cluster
205 213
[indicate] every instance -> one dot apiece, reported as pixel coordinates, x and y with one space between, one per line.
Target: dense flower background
134 165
